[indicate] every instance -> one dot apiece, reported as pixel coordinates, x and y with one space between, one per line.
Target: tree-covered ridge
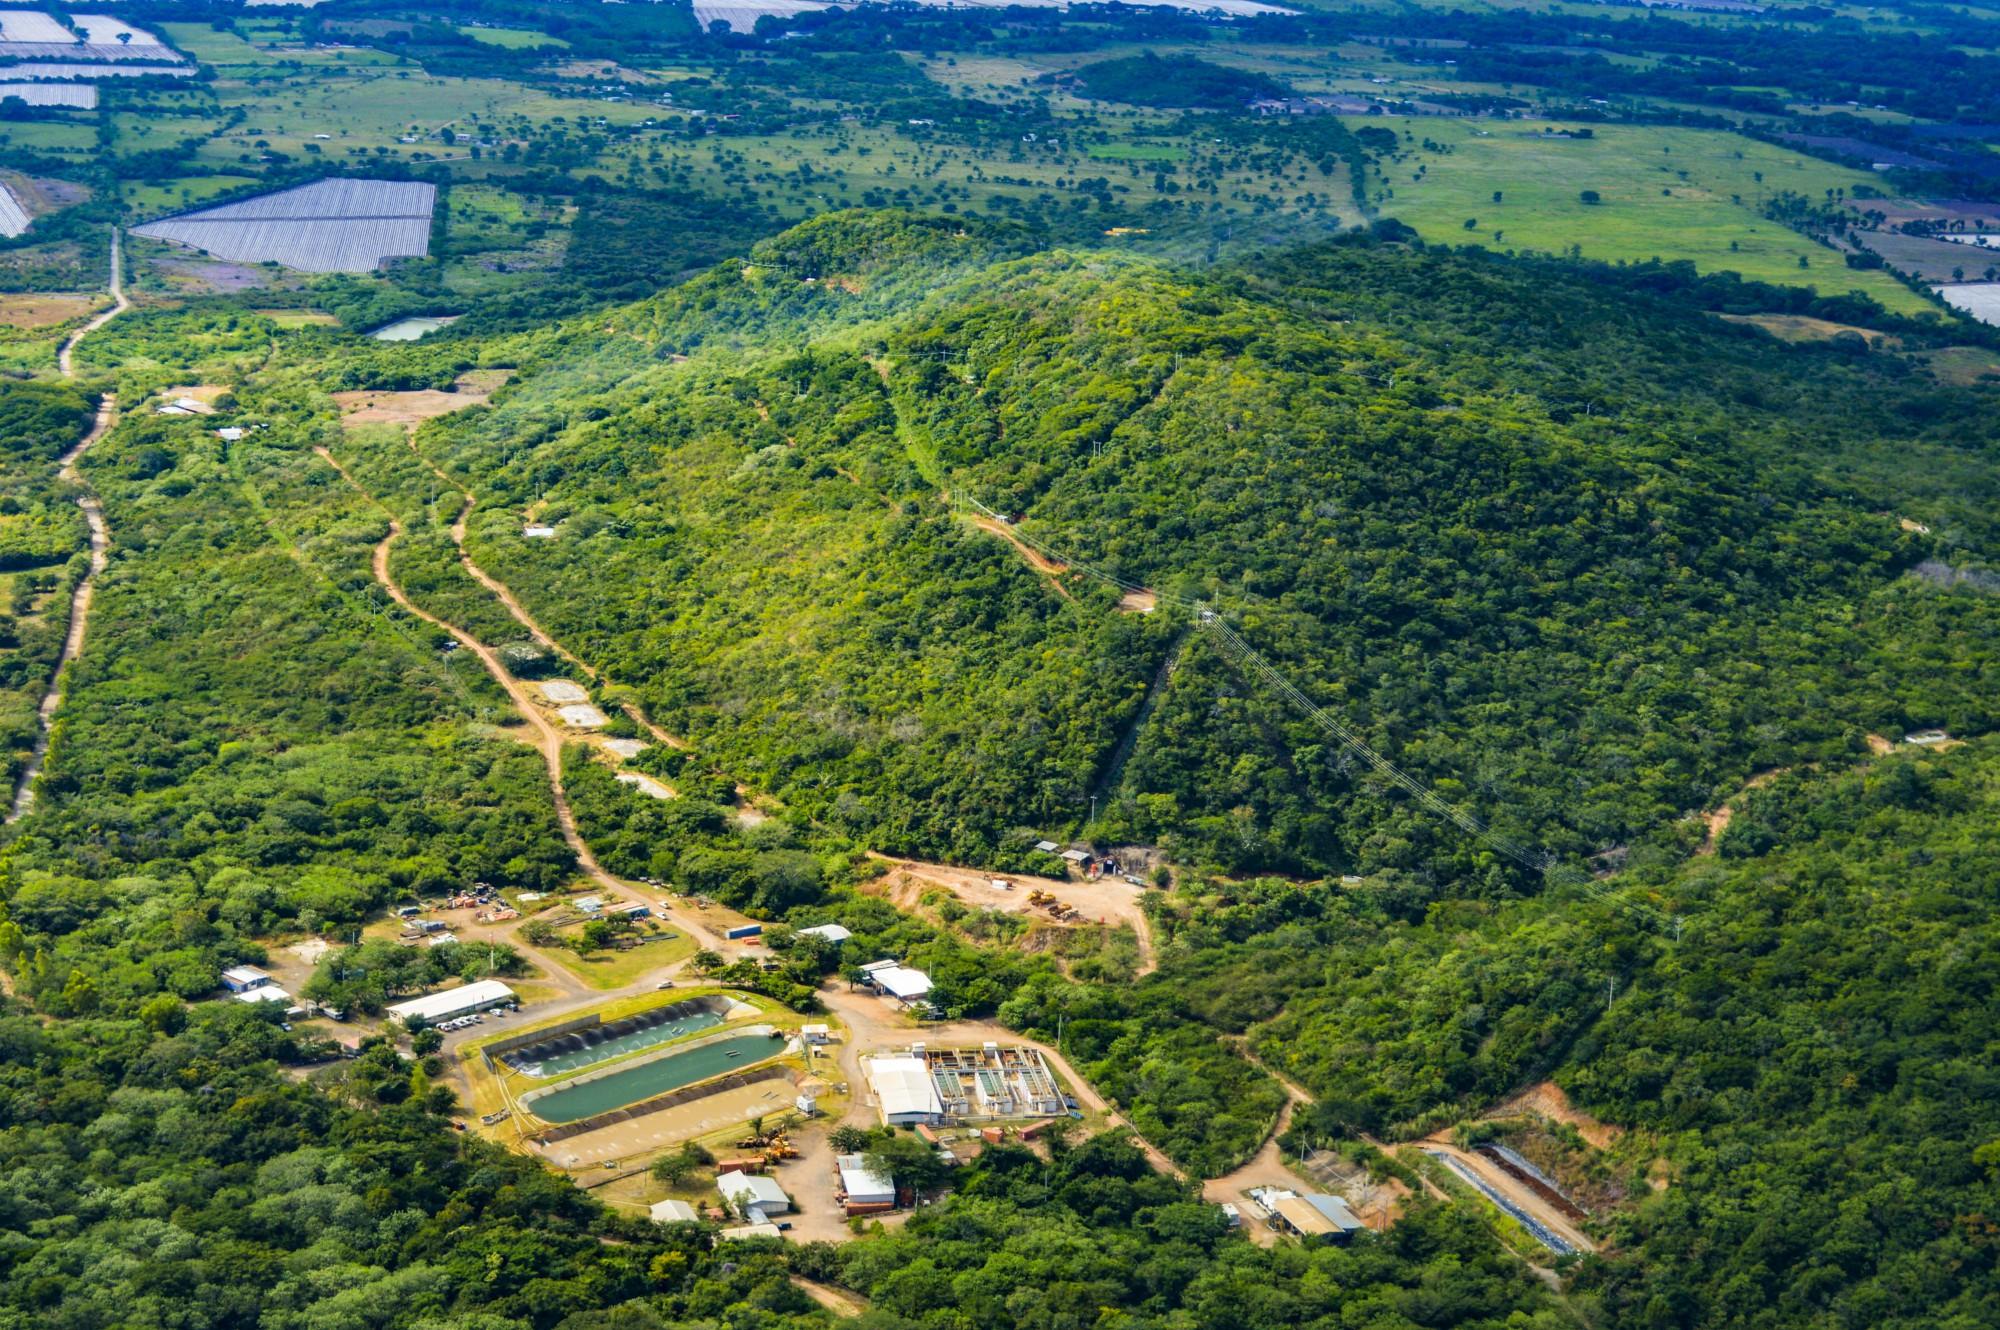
1800 1061
1148 80
1585 612
810 623
1462 502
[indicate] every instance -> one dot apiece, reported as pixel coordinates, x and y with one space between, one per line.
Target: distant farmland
327 226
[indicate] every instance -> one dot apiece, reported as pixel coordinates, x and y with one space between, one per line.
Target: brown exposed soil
1800 328
1719 820
837 1301
43 311
1105 901
369 406
40 195
1547 1100
195 276
1040 562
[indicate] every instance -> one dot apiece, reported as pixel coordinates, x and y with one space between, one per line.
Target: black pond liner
576 1041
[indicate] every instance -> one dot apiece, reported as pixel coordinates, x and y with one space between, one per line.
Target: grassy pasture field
270 47
513 39
374 110
1666 193
149 199
73 138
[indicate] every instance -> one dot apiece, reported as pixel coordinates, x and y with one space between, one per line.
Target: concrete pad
641 1137
583 716
645 784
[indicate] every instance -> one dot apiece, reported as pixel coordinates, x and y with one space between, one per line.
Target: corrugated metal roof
861 1183
451 1002
903 1086
1301 1215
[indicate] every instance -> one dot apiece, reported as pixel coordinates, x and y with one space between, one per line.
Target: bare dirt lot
200 276
1105 901
43 311
1548 1100
372 407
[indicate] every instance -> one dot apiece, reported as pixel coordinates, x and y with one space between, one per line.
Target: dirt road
100 543
505 595
548 739
1041 563
119 304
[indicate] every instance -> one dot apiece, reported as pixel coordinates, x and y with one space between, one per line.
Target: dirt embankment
1105 901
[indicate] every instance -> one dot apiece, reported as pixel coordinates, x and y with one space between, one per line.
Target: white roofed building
264 993
238 978
674 1212
901 983
433 1007
904 1091
831 932
862 1188
753 1196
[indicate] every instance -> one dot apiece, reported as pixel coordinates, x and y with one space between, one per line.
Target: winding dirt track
548 739
505 595
100 543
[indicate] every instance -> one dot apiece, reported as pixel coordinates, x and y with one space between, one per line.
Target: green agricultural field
269 48
69 138
148 199
513 39
1664 193
1137 152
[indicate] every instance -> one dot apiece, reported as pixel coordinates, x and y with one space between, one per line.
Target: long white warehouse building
434 1007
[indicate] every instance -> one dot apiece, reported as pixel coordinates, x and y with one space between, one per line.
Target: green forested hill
1585 558
1582 556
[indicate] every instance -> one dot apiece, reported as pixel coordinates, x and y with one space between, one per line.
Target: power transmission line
1244 657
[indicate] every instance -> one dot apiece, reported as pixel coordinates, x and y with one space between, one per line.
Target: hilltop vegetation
898 384
1636 528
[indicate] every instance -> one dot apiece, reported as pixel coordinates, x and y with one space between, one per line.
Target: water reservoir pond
409 330
670 1071
561 1057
